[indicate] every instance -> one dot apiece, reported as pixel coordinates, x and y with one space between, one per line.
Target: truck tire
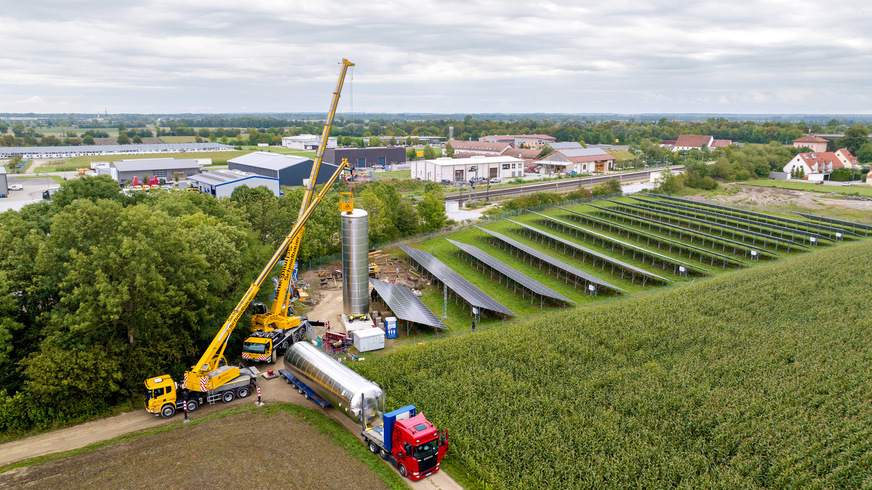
284 346
287 380
243 392
384 454
192 405
306 395
167 411
402 470
228 396
299 390
373 447
272 357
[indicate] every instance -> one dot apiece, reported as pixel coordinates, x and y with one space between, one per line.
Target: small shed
220 183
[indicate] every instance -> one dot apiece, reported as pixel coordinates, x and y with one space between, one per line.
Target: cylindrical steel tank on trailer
343 388
355 262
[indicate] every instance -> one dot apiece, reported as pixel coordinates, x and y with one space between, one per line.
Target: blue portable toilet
391 327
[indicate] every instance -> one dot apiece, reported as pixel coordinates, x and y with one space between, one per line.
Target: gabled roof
721 143
582 155
810 138
218 177
821 162
565 145
267 160
693 141
479 146
522 153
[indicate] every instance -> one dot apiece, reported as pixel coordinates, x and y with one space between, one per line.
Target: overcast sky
443 56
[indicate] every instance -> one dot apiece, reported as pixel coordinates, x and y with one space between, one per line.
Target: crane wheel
228 396
167 411
192 405
243 392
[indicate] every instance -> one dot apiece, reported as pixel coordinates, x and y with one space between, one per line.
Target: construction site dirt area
747 195
221 453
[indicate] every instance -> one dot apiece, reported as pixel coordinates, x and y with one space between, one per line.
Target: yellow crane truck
212 379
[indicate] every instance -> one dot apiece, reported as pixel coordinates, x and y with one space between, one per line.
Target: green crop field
754 378
858 188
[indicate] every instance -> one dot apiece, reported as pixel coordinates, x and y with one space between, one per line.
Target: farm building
288 169
578 161
221 183
146 168
367 157
464 169
814 143
306 142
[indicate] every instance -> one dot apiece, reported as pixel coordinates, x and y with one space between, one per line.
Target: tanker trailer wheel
373 447
243 392
167 411
192 405
402 470
228 396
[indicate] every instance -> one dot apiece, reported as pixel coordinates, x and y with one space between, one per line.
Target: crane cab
160 395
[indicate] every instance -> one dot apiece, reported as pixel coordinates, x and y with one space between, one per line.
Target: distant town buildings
813 143
85 150
480 147
534 141
306 142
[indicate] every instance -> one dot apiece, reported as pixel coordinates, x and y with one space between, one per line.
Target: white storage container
368 339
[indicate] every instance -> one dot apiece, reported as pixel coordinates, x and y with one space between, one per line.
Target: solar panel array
454 281
405 305
551 260
592 253
510 272
624 245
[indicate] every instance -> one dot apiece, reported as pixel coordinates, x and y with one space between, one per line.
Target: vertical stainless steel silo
355 262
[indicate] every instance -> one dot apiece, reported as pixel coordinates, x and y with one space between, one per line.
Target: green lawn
857 189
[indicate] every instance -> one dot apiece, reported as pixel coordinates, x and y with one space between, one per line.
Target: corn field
755 378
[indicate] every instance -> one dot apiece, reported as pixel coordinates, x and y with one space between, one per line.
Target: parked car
496 180
16 187
843 183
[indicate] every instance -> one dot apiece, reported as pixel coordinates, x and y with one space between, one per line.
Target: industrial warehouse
288 169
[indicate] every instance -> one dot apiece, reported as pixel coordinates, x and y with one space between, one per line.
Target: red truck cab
410 440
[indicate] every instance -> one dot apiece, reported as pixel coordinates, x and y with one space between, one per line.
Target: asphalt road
555 185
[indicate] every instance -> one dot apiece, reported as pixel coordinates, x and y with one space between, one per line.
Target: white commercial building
220 183
306 142
464 169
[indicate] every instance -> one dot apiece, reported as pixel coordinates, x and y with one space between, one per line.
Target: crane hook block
346 202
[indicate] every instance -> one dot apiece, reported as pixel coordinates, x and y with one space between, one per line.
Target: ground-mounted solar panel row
616 247
709 228
733 221
761 217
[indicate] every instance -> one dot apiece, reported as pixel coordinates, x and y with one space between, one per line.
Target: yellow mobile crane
211 379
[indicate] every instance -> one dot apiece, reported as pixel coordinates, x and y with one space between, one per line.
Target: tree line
100 290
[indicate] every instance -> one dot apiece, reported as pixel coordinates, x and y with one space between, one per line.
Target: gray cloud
446 56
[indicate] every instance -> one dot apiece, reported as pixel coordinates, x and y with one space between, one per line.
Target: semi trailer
403 437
